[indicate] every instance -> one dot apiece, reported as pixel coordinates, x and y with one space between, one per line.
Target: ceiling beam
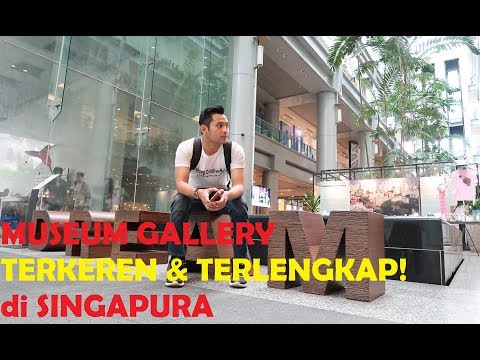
298 100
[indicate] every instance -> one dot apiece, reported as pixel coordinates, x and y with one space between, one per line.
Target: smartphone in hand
216 196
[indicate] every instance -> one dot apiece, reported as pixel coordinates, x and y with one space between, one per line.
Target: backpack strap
227 152
197 152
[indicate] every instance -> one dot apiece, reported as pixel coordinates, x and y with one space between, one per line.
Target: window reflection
128 164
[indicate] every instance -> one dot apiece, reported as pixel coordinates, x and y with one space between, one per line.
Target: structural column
242 118
272 114
326 131
365 144
270 180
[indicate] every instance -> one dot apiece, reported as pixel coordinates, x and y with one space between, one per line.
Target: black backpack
197 152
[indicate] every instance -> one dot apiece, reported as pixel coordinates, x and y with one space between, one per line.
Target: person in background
107 194
80 192
57 191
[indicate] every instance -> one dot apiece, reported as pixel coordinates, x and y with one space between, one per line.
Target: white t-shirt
211 171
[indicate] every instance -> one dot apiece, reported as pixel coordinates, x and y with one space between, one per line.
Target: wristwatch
195 194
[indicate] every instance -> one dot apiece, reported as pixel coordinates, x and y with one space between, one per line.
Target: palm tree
406 91
311 202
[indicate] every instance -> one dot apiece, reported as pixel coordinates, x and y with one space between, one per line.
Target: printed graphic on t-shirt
464 181
210 172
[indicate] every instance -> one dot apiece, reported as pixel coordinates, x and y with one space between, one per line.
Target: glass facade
112 107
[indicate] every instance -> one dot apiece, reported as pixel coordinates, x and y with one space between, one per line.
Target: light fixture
260 56
339 115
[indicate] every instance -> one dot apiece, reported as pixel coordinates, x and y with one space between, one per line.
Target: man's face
218 130
78 178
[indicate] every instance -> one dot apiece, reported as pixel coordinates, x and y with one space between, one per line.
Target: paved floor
403 302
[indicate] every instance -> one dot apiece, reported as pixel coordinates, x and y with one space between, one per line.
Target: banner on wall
394 196
434 191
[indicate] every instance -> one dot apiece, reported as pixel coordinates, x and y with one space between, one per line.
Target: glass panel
44 46
81 138
455 114
217 72
178 71
453 79
29 65
59 73
143 103
156 180
268 130
112 59
107 128
120 176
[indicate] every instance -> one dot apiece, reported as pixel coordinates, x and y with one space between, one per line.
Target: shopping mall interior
327 124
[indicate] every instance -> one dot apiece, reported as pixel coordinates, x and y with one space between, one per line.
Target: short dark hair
57 170
206 114
80 173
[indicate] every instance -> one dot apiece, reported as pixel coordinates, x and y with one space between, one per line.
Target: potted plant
311 202
475 208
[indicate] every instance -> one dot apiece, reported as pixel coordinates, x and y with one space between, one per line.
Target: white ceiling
280 52
277 82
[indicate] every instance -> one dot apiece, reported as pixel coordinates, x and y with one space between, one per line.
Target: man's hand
220 204
204 196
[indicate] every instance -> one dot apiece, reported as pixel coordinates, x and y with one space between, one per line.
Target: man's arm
183 187
237 184
181 181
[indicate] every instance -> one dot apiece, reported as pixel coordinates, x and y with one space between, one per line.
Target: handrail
291 142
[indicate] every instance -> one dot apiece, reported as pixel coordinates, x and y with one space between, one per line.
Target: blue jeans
181 208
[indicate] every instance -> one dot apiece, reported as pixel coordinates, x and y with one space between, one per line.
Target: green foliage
311 202
475 205
408 99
